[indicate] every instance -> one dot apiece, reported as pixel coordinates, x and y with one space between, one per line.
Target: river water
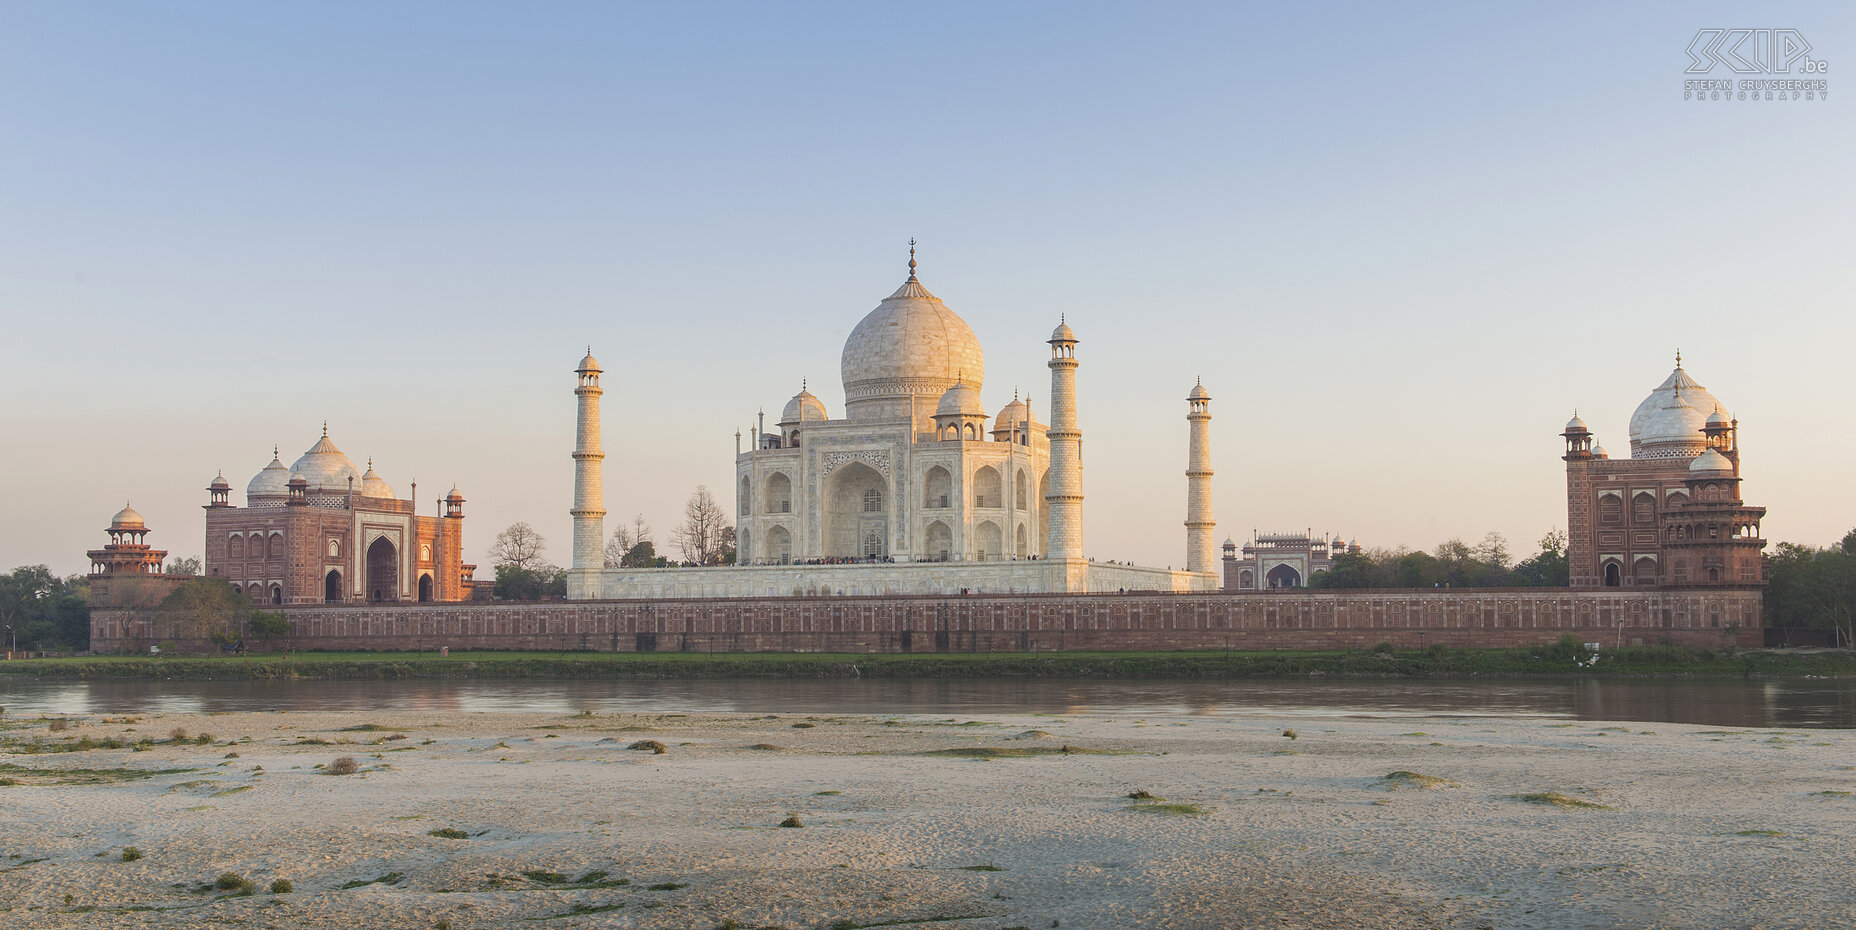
1732 702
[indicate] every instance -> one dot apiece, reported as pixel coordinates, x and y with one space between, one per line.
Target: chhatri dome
324 467
904 355
805 406
1669 422
372 485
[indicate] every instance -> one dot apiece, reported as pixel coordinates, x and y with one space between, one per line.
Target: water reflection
1792 703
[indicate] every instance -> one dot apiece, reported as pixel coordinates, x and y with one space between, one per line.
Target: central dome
1668 423
905 354
326 468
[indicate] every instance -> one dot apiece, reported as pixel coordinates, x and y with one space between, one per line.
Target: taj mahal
914 490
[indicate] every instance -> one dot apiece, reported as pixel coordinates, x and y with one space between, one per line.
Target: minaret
1064 502
1201 554
589 496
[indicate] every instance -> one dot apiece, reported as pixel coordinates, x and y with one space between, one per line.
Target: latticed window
873 543
873 501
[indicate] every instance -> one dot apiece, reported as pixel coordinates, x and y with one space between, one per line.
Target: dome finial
911 258
325 429
802 385
1678 358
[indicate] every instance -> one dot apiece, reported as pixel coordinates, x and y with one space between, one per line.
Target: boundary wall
1294 619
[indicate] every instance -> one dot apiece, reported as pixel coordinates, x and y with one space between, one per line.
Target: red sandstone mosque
321 531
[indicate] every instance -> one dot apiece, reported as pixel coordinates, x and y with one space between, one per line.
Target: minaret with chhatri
589 512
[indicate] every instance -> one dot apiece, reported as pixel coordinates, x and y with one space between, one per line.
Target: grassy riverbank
1434 662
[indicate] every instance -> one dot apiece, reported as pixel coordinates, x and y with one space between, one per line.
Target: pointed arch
856 501
989 542
987 489
779 545
937 489
940 542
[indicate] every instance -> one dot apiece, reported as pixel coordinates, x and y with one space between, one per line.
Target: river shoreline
1553 661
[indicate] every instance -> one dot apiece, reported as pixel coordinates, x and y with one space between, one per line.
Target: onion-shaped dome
588 364
127 519
1719 418
1669 422
268 483
1598 450
1063 333
962 400
1015 415
1199 392
1338 544
804 406
220 483
1711 463
1230 543
454 496
910 347
372 485
1576 425
324 467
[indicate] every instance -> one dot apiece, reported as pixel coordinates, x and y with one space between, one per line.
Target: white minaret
589 495
1064 503
1201 555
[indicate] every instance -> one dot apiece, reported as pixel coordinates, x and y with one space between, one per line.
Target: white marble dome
1012 414
127 519
372 485
1576 424
804 406
1711 463
325 468
911 346
1668 423
960 400
270 482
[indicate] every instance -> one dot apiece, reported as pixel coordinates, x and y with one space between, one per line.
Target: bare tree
624 540
520 546
700 538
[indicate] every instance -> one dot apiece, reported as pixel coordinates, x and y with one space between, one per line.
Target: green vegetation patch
28 775
1556 799
1169 809
391 878
1395 781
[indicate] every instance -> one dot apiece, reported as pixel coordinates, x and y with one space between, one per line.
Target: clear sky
1399 242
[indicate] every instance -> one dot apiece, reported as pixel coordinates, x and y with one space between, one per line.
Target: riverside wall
1295 619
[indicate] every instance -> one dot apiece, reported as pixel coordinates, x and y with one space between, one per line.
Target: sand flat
1006 821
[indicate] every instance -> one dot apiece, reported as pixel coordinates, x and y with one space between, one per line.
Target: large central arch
383 571
857 503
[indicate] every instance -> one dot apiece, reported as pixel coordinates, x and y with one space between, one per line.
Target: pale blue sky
1400 245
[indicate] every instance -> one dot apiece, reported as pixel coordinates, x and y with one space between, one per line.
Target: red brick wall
1298 619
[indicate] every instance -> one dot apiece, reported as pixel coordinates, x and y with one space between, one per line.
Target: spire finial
911 258
802 386
325 429
1678 358
274 452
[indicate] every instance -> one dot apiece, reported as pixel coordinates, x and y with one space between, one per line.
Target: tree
624 540
46 612
1811 588
267 625
520 546
187 566
204 608
700 538
515 583
1493 550
643 555
1547 568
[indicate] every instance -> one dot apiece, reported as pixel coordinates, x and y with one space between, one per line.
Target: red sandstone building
1671 514
320 531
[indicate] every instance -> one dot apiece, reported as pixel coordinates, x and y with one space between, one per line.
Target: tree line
1813 589
1453 564
704 537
